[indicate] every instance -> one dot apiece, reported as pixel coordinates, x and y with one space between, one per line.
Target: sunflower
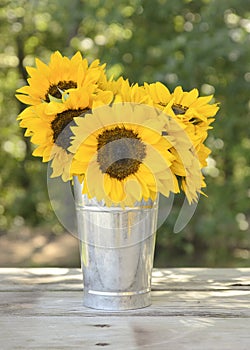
186 165
124 92
188 105
159 94
197 114
48 124
47 82
122 154
193 116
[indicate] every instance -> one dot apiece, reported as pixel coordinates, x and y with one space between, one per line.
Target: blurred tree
203 44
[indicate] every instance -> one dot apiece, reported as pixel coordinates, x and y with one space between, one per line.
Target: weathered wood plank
191 309
130 333
163 279
224 304
40 279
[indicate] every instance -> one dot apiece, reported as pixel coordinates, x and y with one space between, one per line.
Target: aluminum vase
117 251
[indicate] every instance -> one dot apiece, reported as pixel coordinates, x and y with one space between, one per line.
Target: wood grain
191 309
163 279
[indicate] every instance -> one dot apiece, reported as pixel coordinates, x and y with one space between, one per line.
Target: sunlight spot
127 57
233 55
8 60
237 35
247 77
231 293
242 222
157 273
100 40
211 169
207 89
197 322
17 27
218 143
188 26
245 23
171 78
242 253
18 221
87 44
231 18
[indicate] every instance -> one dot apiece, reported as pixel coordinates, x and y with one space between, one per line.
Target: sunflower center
61 126
55 89
120 152
179 109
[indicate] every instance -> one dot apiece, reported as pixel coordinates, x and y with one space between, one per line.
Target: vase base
116 301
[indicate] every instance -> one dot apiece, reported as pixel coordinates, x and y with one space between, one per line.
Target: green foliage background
203 44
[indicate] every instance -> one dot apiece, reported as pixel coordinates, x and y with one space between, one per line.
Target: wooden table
193 308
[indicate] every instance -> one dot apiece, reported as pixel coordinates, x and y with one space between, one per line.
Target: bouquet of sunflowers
124 142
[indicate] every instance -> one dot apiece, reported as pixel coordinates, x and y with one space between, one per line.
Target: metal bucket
117 252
